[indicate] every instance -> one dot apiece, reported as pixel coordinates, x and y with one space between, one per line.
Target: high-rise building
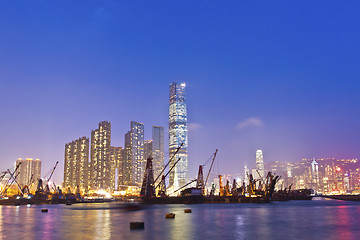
178 135
315 174
148 147
246 175
127 167
134 154
28 172
101 166
158 150
76 163
117 159
259 164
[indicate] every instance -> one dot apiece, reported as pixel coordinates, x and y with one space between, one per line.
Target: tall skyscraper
246 175
177 135
28 172
148 147
157 150
134 154
76 163
101 167
259 164
127 167
117 161
315 174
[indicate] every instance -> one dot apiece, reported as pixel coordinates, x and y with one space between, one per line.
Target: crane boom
185 185
169 171
212 163
5 187
162 171
52 172
14 179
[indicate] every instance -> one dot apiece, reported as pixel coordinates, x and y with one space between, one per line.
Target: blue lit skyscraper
177 135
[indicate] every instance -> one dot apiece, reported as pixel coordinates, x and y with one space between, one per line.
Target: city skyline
280 79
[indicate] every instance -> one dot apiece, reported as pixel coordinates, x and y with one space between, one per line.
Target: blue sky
281 76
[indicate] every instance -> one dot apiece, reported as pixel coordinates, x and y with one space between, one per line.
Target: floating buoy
44 210
137 225
169 215
187 211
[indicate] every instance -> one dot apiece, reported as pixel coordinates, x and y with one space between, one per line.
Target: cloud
194 126
250 122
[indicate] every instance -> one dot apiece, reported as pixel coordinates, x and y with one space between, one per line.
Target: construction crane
200 178
47 188
6 185
168 172
194 180
14 180
212 163
162 171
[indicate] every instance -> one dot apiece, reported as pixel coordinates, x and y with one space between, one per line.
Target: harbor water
316 219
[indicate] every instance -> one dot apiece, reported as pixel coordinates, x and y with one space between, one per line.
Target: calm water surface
316 219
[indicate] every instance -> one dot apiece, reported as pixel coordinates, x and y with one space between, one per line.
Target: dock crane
212 163
14 180
162 171
47 188
162 189
169 171
8 185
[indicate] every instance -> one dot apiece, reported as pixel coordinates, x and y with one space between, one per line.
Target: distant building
28 172
315 175
101 166
117 161
134 154
148 149
259 165
178 135
246 175
158 150
76 163
127 166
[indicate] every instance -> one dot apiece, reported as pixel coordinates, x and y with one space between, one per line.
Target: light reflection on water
320 219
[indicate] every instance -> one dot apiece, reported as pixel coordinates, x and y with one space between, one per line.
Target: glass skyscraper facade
259 165
177 135
134 154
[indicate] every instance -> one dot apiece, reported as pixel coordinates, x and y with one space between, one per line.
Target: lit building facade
101 166
28 172
127 164
76 163
148 145
178 134
259 164
117 161
158 150
134 154
315 175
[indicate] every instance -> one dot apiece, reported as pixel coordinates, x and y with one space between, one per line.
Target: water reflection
285 220
1 223
102 228
343 224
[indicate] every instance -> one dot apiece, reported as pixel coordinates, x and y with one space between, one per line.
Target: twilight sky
281 76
